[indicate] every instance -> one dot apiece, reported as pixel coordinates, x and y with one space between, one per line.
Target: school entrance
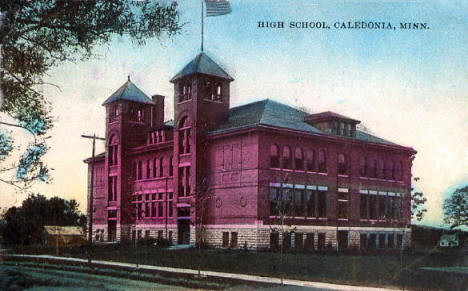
183 225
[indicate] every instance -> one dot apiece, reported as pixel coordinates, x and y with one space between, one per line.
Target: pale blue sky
406 86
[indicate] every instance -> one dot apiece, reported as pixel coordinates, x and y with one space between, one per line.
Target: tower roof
129 92
202 64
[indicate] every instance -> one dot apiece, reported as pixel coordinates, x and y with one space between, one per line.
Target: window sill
323 174
342 219
185 101
298 217
343 175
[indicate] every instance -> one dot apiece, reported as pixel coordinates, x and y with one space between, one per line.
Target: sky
407 86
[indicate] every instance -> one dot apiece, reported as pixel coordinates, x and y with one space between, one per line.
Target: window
342 164
364 206
343 199
185 91
274 156
140 170
171 210
161 169
113 151
153 209
349 131
147 210
372 206
112 190
310 203
363 241
298 204
160 209
310 161
381 241
139 211
155 167
184 181
322 162
225 239
342 128
171 167
274 199
381 205
213 91
299 159
391 170
233 240
309 241
363 167
148 169
140 115
299 240
287 157
399 241
391 241
321 241
184 136
322 204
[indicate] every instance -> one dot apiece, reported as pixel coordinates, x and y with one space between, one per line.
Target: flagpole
202 21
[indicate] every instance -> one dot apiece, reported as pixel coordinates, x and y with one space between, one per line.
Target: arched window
322 161
310 160
185 91
134 171
287 157
140 170
184 136
299 159
113 150
274 156
363 167
218 91
342 164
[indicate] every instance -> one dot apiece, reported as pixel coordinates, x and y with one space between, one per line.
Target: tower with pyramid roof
201 102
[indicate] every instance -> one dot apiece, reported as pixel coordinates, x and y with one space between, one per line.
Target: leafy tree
456 208
36 36
24 225
417 203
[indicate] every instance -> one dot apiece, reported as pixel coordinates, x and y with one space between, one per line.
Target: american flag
217 7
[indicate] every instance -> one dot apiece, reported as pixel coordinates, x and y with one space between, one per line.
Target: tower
201 101
130 115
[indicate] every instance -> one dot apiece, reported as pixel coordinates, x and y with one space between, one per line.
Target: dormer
333 123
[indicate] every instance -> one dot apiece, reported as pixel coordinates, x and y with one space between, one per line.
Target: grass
377 269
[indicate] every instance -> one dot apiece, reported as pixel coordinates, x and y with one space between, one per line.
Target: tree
456 208
417 203
36 36
24 225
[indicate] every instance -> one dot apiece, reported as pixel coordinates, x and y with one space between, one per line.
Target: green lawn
372 269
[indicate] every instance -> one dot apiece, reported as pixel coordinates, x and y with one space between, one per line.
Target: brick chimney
157 114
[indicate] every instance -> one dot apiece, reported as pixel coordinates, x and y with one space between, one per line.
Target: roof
202 64
129 92
327 115
96 157
63 230
272 113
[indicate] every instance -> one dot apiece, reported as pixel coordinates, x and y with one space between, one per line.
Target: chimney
157 114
